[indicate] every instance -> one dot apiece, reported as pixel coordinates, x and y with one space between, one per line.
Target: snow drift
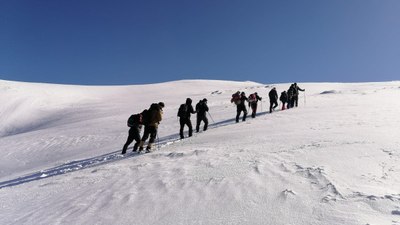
332 160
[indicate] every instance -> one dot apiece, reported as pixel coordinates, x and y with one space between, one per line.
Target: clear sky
147 41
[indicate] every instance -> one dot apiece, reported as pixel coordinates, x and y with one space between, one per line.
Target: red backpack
252 98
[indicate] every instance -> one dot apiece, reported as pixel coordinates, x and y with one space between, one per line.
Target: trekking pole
261 105
211 116
305 98
158 143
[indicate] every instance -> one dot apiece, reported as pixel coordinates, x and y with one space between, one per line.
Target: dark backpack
146 117
182 111
236 98
135 119
154 106
201 108
283 97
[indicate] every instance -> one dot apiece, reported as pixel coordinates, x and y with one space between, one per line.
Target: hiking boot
135 147
148 149
123 151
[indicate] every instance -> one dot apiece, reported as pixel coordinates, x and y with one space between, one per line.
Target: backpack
236 98
201 108
283 97
252 98
145 117
154 106
182 111
135 119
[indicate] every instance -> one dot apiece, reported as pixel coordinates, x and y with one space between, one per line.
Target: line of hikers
291 98
152 117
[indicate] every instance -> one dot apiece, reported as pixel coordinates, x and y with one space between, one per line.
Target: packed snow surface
333 160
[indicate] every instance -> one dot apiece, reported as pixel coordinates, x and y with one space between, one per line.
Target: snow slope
332 160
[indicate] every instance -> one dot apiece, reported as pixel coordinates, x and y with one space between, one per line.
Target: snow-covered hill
332 160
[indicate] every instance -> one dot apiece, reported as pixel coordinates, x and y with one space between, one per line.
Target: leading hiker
296 94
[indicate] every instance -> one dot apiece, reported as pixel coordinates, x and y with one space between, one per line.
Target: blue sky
147 41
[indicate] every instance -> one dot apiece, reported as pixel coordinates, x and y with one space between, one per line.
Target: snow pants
199 119
134 134
183 122
239 109
295 100
272 105
283 105
148 131
253 106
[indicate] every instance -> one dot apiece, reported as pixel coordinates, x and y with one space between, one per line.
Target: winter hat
161 104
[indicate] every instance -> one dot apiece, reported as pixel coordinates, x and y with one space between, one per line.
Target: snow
332 160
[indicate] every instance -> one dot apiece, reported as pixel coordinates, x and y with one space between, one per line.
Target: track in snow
97 160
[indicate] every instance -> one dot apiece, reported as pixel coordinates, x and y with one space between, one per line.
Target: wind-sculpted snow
100 160
329 92
333 160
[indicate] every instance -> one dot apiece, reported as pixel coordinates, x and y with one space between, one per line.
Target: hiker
135 123
296 94
151 119
283 99
290 93
202 109
273 99
239 100
184 112
253 100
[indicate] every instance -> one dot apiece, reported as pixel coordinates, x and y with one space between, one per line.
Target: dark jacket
243 99
290 92
201 108
187 109
273 95
284 97
296 90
